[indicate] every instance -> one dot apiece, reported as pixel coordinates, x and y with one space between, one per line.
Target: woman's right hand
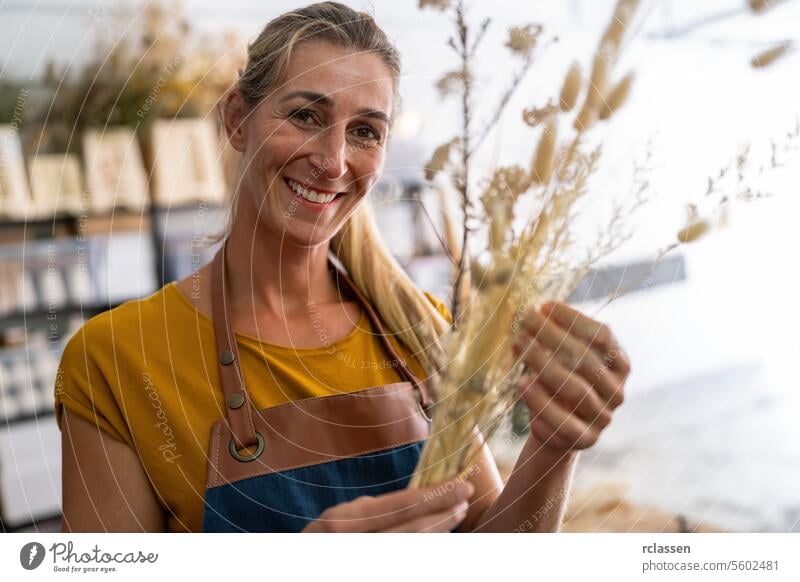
440 508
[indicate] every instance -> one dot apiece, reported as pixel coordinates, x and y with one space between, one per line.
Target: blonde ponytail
405 309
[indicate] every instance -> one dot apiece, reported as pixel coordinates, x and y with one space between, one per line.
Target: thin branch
463 177
479 36
442 242
515 82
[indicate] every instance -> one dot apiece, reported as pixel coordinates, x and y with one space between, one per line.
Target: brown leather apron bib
305 456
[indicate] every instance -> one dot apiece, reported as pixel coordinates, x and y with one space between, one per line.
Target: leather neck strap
237 400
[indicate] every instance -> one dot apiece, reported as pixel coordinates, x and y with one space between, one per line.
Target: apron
277 469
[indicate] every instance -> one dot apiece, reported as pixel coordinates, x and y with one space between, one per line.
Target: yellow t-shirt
146 373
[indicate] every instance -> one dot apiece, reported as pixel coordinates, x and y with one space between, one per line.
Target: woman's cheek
368 169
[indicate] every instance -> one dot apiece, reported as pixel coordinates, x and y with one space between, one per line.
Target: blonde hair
403 307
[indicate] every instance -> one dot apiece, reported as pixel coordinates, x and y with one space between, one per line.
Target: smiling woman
318 136
289 373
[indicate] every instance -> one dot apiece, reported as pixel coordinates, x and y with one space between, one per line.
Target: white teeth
309 194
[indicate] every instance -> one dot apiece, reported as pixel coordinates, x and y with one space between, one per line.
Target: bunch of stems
518 268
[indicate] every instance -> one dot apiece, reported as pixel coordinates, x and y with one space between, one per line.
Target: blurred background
109 145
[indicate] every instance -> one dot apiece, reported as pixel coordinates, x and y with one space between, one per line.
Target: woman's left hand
575 377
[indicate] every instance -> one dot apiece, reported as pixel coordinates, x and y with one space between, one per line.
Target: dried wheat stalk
477 387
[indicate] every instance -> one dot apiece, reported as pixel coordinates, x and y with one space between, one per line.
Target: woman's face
314 147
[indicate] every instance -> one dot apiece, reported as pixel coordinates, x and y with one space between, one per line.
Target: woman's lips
310 203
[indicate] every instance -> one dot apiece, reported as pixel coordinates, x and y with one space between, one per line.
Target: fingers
582 326
394 509
547 436
567 387
440 522
591 331
572 353
557 423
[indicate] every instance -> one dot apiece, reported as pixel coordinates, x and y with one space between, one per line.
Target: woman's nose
329 155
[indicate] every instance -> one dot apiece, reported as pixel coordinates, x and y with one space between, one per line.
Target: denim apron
277 469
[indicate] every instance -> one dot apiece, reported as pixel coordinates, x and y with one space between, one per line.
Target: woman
257 394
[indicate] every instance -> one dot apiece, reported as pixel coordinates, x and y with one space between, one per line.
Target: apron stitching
218 438
343 394
313 463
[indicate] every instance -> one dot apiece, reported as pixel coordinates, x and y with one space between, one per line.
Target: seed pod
631 5
522 39
768 57
545 152
439 159
536 115
613 34
620 21
599 79
724 218
489 344
585 118
617 97
759 6
499 225
571 88
501 269
478 274
694 231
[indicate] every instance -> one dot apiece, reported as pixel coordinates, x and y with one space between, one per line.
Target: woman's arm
535 496
576 379
533 499
104 486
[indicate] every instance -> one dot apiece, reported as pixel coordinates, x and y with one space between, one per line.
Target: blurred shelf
38 314
38 415
47 524
65 226
186 206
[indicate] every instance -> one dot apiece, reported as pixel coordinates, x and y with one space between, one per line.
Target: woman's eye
302 115
366 132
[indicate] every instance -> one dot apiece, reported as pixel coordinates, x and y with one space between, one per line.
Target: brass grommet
226 358
235 401
247 458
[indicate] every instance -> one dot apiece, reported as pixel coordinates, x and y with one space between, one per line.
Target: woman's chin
293 224
304 235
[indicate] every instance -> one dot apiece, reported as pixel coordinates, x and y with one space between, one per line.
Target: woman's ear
234 118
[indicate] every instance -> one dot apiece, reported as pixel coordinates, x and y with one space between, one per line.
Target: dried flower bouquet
542 260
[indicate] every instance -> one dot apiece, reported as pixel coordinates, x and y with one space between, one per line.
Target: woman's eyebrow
310 95
328 102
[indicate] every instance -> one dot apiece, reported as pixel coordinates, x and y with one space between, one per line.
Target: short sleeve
82 387
440 306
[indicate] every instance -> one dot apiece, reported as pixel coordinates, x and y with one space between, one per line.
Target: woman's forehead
349 79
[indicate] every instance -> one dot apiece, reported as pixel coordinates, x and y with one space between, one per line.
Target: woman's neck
270 274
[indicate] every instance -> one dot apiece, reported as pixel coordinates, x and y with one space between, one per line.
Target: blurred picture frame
185 162
15 196
115 172
56 184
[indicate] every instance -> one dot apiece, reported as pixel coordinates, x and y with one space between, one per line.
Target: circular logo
31 555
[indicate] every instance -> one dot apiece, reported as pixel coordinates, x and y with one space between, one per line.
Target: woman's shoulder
439 305
126 323
98 360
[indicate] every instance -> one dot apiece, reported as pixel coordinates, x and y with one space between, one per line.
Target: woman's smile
312 198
